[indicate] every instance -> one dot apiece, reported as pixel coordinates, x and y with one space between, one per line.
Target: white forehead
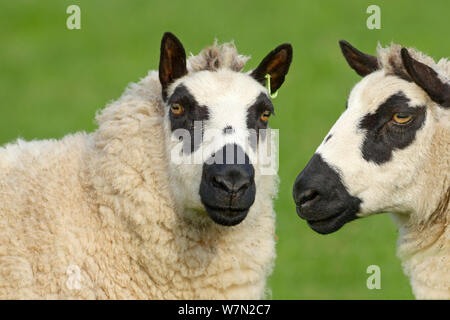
376 88
222 87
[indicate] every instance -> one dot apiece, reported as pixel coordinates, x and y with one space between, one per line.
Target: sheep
390 152
110 215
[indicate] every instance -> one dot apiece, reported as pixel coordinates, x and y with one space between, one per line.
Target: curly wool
92 216
390 60
217 56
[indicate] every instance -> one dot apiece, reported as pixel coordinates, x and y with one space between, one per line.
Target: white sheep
109 215
390 152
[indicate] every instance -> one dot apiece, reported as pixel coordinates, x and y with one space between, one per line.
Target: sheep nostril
242 186
232 182
222 183
307 196
216 181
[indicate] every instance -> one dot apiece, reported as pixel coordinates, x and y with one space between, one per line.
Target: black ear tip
170 36
289 48
344 44
346 47
405 54
407 60
285 47
169 40
167 35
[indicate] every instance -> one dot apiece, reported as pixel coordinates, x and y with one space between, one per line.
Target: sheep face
215 123
371 159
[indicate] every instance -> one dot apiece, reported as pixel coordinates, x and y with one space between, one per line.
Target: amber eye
402 118
176 108
265 116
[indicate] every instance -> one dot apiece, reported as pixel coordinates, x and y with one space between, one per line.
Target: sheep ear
172 63
362 63
426 78
276 64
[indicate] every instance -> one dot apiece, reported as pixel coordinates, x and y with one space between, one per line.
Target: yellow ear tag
272 95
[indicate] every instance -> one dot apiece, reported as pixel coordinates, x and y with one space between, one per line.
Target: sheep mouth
330 223
226 216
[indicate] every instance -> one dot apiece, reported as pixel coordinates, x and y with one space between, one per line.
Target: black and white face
370 160
212 121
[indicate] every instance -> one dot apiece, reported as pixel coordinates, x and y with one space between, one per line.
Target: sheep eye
402 118
265 116
176 108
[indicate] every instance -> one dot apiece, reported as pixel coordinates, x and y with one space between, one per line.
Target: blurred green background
53 80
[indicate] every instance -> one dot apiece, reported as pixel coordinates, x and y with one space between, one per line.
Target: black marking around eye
254 122
194 114
382 135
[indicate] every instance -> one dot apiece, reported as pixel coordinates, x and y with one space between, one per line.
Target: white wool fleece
92 216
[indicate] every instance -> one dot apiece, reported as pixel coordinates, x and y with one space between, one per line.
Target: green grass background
52 81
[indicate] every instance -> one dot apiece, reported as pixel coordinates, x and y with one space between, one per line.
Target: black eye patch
383 136
254 122
193 115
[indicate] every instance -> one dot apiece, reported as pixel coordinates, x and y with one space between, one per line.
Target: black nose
227 188
304 196
322 199
232 179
